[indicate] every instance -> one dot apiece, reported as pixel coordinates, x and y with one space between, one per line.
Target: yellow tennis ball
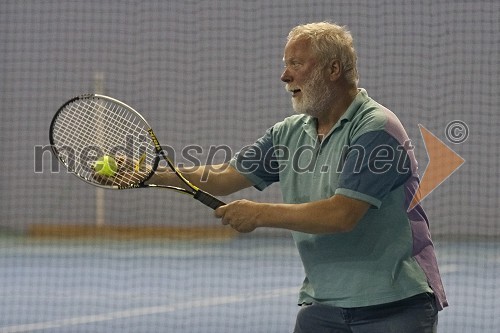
105 166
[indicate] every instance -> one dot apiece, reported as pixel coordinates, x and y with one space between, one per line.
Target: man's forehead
299 48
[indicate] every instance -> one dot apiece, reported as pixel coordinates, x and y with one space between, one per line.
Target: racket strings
103 127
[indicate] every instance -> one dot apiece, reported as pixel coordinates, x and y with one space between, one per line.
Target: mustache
289 88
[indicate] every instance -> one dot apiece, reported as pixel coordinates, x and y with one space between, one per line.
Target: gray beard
316 97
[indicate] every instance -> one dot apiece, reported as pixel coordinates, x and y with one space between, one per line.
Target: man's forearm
332 215
219 179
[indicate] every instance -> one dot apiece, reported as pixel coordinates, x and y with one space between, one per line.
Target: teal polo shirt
367 155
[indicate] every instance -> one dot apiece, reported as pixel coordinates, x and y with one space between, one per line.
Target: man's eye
293 65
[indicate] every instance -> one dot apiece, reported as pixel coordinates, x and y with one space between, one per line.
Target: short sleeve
258 162
374 165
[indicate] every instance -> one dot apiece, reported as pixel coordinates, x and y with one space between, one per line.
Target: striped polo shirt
367 155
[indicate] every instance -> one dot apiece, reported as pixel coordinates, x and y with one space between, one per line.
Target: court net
206 76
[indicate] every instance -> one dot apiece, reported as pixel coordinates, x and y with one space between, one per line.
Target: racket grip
208 199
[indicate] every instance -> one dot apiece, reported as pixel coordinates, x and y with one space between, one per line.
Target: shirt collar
311 122
361 97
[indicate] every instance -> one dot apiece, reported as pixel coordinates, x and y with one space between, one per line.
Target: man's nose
285 76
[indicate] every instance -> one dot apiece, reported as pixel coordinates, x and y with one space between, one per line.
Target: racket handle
208 200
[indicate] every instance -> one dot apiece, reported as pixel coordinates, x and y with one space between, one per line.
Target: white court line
143 311
149 252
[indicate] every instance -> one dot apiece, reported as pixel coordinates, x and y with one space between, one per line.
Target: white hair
331 42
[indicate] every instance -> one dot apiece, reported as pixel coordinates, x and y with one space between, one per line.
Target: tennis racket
89 127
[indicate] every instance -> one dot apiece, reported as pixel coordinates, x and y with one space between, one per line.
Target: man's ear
335 69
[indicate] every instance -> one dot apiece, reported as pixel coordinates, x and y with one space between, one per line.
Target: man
347 173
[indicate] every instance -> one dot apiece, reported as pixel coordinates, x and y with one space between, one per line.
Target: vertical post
100 210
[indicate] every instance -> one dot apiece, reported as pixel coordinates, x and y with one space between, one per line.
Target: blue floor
244 285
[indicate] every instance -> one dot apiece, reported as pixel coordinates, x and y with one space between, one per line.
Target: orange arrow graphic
442 163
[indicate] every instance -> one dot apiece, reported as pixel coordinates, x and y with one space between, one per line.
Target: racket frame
193 190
